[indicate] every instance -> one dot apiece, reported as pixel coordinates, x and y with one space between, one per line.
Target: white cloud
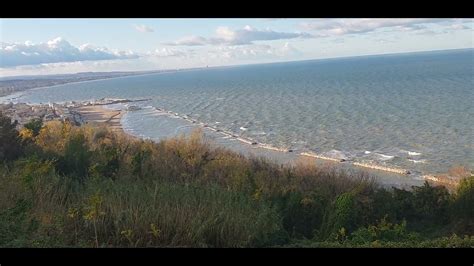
288 50
169 52
254 51
337 27
143 28
459 26
247 35
55 51
190 41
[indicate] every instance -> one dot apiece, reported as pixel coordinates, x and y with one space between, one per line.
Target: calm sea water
413 111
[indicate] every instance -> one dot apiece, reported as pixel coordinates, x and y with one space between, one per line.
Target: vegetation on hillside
67 186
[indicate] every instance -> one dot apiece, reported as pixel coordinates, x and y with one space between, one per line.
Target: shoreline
100 114
253 143
96 113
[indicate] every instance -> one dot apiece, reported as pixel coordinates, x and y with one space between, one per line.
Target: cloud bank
338 27
247 35
55 51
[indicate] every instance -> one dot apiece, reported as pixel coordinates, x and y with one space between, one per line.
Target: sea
411 111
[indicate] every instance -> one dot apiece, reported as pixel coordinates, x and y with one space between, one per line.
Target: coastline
101 115
97 113
21 91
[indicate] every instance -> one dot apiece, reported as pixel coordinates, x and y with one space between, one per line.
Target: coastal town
78 113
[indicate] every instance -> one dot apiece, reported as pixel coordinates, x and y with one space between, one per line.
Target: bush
10 143
383 231
463 206
90 187
15 225
431 203
77 157
35 126
302 215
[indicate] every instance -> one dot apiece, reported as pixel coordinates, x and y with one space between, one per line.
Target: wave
332 155
411 153
261 133
417 161
384 157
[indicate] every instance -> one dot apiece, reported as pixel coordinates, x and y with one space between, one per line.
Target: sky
58 46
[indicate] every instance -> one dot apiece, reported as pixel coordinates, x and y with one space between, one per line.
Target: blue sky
50 46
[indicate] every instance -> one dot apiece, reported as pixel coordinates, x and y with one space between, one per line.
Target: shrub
35 126
91 187
77 157
10 143
463 206
302 215
383 231
431 203
15 225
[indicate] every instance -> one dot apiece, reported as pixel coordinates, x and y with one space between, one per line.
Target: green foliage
77 157
383 231
35 126
463 206
431 203
89 187
106 163
15 227
302 215
10 144
138 160
453 241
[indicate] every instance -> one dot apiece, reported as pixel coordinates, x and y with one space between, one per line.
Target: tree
431 203
35 126
76 159
464 205
10 143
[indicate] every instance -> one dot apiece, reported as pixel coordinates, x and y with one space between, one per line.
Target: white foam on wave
367 152
411 153
243 128
417 161
384 157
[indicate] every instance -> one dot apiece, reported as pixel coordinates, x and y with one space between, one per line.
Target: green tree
10 142
76 159
35 126
463 205
431 203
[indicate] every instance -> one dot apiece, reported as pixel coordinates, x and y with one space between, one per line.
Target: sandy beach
98 114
